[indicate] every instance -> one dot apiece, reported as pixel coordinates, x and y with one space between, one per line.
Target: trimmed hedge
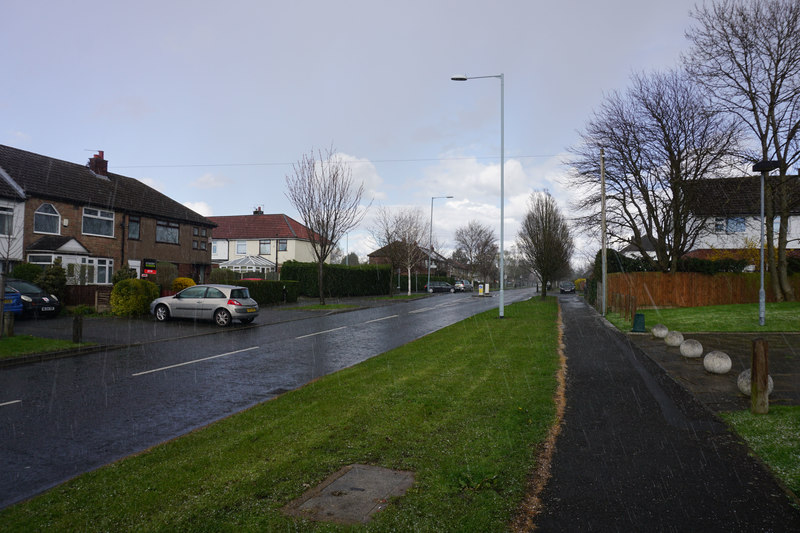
340 280
271 292
132 297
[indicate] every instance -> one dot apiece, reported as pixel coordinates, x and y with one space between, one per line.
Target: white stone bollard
743 381
674 338
717 362
691 348
659 331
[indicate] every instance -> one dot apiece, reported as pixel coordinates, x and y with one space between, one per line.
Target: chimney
98 165
258 211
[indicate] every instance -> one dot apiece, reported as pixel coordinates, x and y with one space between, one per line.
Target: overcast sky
212 102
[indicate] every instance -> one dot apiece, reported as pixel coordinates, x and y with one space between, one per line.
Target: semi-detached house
94 221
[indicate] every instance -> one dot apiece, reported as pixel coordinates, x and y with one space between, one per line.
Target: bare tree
477 244
328 202
545 239
748 55
400 234
657 136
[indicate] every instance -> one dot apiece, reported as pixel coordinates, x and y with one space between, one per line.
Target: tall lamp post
501 77
430 240
764 167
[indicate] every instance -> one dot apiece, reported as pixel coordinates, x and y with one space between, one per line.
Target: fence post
759 377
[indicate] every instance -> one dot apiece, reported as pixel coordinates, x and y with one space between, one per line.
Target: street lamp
501 77
764 167
430 240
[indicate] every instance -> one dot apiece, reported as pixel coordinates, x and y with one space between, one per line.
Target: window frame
241 243
262 243
102 215
169 227
56 215
7 218
137 221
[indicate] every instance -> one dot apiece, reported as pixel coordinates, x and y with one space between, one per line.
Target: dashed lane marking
10 403
194 361
379 319
320 332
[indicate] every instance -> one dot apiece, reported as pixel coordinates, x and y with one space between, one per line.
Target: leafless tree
328 201
545 239
477 244
656 136
400 234
748 55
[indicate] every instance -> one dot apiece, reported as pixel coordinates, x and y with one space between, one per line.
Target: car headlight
26 298
53 296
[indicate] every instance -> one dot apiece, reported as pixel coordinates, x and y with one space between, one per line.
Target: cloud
363 171
211 181
201 208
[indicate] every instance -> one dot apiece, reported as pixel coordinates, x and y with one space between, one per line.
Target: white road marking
379 319
194 361
10 403
320 332
420 310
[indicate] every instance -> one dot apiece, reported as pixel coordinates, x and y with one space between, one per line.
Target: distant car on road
439 286
221 303
462 285
35 300
566 287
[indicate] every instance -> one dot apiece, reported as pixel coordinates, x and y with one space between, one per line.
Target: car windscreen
24 287
240 293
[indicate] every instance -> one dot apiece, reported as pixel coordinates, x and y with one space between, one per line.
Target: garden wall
691 289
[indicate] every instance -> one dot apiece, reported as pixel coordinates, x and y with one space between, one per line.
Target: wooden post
77 329
759 376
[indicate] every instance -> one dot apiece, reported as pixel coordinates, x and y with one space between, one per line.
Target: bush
54 280
224 276
165 274
132 297
27 271
123 273
178 284
271 292
340 280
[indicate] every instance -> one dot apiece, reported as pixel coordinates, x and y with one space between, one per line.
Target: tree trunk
319 282
783 265
409 280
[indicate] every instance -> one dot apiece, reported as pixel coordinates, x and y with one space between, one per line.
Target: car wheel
222 317
162 313
246 320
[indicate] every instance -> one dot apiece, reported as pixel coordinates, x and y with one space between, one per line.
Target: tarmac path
637 452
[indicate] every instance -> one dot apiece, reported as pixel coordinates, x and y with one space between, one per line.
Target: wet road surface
64 417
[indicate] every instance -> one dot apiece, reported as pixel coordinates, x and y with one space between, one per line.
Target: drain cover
351 495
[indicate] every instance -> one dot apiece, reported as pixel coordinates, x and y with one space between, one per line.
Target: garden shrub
165 274
178 284
123 273
26 271
225 276
53 280
271 292
132 297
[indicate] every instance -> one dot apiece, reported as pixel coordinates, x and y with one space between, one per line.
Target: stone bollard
659 331
691 349
8 324
717 362
673 338
77 329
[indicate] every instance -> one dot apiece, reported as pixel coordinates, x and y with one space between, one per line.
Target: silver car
220 303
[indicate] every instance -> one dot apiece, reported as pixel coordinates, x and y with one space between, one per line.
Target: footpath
638 452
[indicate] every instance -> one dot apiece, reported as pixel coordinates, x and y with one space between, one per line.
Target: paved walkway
637 452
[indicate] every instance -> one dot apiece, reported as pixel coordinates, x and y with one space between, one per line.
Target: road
61 418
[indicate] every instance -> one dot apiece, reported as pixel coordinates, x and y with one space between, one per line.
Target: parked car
439 286
566 287
35 300
12 303
462 285
220 303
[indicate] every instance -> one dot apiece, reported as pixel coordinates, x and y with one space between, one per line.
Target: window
134 225
214 247
735 225
193 292
282 245
241 247
195 231
214 293
98 222
264 247
6 220
96 270
195 245
203 245
167 232
719 225
203 232
46 220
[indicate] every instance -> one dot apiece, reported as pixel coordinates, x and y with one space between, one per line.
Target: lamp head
459 77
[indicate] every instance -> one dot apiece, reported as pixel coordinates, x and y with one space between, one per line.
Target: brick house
95 221
259 242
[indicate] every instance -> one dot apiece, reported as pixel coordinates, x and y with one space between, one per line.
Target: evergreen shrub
132 297
178 284
340 280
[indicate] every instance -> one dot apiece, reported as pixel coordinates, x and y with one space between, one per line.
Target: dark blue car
12 303
36 302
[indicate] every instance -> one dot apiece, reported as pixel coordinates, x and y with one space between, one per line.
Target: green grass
784 316
463 408
774 438
26 344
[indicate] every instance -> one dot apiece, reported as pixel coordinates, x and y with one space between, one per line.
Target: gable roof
734 196
57 180
258 226
57 243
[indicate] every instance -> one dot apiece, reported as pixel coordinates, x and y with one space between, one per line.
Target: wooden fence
97 296
691 289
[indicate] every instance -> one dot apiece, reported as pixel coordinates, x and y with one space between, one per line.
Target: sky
212 103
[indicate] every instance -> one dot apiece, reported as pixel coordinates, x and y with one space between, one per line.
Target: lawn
774 438
26 344
463 408
783 316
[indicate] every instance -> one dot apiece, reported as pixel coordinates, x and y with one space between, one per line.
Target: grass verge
773 437
464 408
783 316
26 344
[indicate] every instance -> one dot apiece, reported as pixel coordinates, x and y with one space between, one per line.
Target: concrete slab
351 495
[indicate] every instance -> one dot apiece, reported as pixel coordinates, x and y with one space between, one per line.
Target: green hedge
132 297
418 282
340 280
271 292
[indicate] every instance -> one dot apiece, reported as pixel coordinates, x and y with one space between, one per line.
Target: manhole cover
351 495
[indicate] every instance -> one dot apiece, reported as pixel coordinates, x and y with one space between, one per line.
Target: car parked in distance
566 287
439 286
462 285
221 303
36 301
